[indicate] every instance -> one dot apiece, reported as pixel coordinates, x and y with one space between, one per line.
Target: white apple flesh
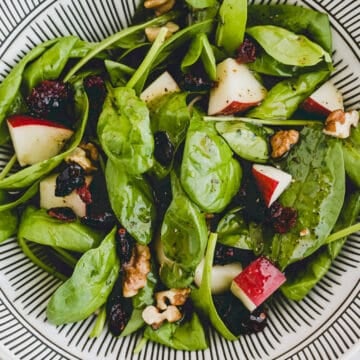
236 90
324 100
270 181
221 276
36 140
257 282
48 200
164 84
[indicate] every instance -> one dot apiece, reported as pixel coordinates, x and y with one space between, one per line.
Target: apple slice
236 90
257 282
36 139
164 84
221 276
324 100
48 199
270 181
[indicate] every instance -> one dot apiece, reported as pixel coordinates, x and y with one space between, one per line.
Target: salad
182 171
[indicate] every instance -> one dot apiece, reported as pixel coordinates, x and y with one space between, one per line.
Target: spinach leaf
183 238
25 196
200 48
50 64
10 86
8 219
209 173
188 335
124 131
37 226
132 201
287 47
88 287
234 231
285 97
314 24
351 150
119 73
27 176
249 141
169 114
317 193
305 275
231 28
202 297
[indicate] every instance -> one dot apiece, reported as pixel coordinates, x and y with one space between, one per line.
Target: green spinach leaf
285 97
209 173
124 131
37 226
351 150
317 193
88 287
132 201
183 238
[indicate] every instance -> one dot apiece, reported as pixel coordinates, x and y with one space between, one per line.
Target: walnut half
338 123
160 6
282 142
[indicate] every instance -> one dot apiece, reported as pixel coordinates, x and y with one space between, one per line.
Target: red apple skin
259 280
311 106
236 107
24 120
266 184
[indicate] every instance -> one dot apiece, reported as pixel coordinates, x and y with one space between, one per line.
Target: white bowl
325 325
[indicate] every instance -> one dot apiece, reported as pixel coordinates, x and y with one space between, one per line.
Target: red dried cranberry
102 220
71 178
51 99
246 53
124 245
164 149
65 214
282 218
84 193
118 309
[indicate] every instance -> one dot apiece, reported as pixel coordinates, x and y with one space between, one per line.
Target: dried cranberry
102 220
96 90
196 83
124 246
237 317
84 193
282 218
118 308
51 99
62 213
164 149
246 53
71 178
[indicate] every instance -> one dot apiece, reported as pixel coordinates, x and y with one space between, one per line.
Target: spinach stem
140 345
343 233
29 253
99 323
66 256
273 122
8 167
149 58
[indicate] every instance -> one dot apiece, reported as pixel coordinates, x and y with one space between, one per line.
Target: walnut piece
136 270
154 317
282 142
152 32
160 6
79 157
338 123
175 297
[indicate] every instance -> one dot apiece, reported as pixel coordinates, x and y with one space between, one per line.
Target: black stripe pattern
325 325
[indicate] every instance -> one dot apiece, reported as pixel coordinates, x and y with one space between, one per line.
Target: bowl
325 325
